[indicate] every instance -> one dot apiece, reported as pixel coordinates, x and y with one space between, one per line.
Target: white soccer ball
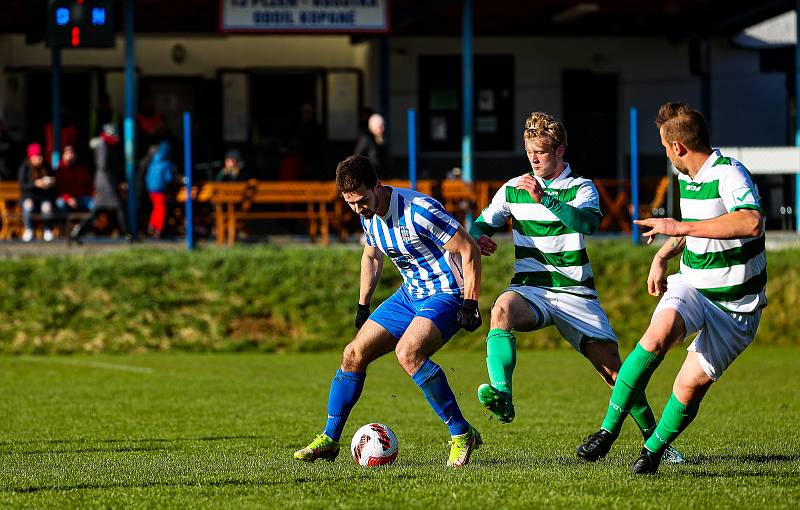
374 444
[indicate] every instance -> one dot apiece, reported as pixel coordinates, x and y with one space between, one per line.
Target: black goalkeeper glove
362 314
468 316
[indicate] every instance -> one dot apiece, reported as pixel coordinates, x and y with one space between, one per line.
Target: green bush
294 298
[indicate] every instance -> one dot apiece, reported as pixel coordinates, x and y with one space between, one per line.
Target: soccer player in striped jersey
552 208
719 292
441 268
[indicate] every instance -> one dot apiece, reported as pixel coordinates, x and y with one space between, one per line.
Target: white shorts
723 335
579 320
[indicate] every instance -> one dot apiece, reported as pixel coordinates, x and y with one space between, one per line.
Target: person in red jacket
74 183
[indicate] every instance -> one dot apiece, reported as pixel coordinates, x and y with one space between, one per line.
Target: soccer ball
374 444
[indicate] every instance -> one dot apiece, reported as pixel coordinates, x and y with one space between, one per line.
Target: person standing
160 176
373 145
719 292
441 268
107 178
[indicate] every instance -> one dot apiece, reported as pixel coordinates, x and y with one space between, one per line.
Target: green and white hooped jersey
732 273
548 253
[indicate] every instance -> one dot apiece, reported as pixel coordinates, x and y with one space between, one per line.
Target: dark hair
683 124
353 172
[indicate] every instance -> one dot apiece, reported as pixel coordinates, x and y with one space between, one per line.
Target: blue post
55 89
467 92
412 147
634 134
468 98
129 133
797 121
187 163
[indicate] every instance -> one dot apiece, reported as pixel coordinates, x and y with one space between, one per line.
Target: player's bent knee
409 358
353 360
501 314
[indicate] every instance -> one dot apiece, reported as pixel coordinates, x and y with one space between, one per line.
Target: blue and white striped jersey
412 234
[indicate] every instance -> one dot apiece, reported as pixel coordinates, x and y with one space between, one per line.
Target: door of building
286 123
590 116
75 104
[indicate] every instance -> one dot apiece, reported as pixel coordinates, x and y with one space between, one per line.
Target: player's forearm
733 225
471 262
579 220
480 228
370 274
672 248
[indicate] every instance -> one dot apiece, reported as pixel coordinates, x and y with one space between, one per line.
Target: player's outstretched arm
462 244
732 225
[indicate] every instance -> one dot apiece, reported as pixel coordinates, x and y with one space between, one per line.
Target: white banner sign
320 16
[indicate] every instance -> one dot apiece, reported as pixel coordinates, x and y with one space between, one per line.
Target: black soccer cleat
595 446
647 463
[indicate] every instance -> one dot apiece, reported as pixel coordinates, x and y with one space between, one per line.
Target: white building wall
749 108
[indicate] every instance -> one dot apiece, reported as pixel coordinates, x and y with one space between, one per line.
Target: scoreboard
80 24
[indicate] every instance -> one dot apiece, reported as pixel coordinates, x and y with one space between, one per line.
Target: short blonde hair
544 125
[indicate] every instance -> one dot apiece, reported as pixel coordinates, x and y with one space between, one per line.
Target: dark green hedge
296 298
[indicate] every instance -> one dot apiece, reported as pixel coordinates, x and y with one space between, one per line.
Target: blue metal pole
634 137
55 64
797 118
468 98
129 132
187 163
412 147
467 92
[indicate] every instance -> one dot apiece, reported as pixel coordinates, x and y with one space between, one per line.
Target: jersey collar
715 154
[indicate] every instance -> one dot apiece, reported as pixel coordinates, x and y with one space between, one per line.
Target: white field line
87 363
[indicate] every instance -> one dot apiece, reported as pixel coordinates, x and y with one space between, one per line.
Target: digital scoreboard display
80 24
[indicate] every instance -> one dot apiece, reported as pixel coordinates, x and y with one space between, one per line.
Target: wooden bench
656 205
10 210
614 202
461 197
313 197
11 214
226 196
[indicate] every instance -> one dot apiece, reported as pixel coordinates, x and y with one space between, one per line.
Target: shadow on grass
142 485
124 444
742 459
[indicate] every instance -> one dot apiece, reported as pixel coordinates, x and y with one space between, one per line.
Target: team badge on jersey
405 235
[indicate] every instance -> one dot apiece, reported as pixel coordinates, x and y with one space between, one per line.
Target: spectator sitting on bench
233 170
74 183
38 191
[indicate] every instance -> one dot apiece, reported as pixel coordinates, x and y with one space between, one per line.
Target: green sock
676 417
501 357
643 416
631 382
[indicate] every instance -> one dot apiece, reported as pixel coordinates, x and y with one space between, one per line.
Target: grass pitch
191 430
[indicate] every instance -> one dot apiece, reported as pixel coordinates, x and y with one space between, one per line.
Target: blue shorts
397 312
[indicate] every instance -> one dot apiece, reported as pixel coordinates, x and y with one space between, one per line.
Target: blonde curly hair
544 125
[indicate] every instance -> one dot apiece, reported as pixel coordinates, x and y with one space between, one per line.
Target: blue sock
433 383
345 389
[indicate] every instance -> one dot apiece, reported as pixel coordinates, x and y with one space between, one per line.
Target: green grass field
218 430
